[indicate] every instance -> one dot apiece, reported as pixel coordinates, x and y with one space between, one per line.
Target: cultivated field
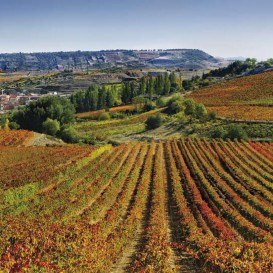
177 206
246 98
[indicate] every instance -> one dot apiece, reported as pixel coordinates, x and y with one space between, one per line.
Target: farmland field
246 98
173 206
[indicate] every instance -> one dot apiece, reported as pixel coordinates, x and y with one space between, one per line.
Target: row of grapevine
110 209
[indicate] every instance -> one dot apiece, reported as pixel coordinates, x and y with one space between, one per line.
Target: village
9 102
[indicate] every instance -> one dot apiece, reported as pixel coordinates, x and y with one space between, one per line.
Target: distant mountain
82 60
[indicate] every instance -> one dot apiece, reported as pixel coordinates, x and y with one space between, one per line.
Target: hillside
178 206
244 98
27 138
83 60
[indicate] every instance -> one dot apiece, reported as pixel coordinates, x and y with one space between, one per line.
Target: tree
32 116
126 93
167 85
92 98
102 98
142 86
151 88
153 122
139 103
51 127
110 99
77 100
172 78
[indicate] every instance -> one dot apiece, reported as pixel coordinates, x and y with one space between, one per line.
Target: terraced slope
177 206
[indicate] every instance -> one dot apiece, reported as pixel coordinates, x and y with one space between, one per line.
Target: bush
104 116
175 105
69 134
200 111
51 127
211 115
148 106
14 125
235 131
218 132
161 102
153 122
189 106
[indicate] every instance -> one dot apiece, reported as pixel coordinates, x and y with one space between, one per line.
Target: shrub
153 122
14 125
161 102
69 134
211 115
175 105
218 132
189 106
148 106
235 131
104 116
200 111
51 127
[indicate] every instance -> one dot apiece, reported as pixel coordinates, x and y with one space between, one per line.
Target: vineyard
14 137
248 98
177 206
122 108
102 130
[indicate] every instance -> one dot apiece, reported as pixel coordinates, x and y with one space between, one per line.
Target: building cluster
10 101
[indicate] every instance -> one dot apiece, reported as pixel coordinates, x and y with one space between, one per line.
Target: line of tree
103 97
151 86
234 69
95 98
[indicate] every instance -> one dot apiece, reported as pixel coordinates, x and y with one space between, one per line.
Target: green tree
110 99
126 93
167 85
173 81
151 87
32 116
139 103
142 86
102 98
51 127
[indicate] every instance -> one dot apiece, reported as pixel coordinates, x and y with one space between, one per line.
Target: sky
221 28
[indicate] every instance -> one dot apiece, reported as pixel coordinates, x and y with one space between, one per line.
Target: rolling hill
82 60
244 98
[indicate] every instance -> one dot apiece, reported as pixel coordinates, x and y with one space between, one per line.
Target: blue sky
219 27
